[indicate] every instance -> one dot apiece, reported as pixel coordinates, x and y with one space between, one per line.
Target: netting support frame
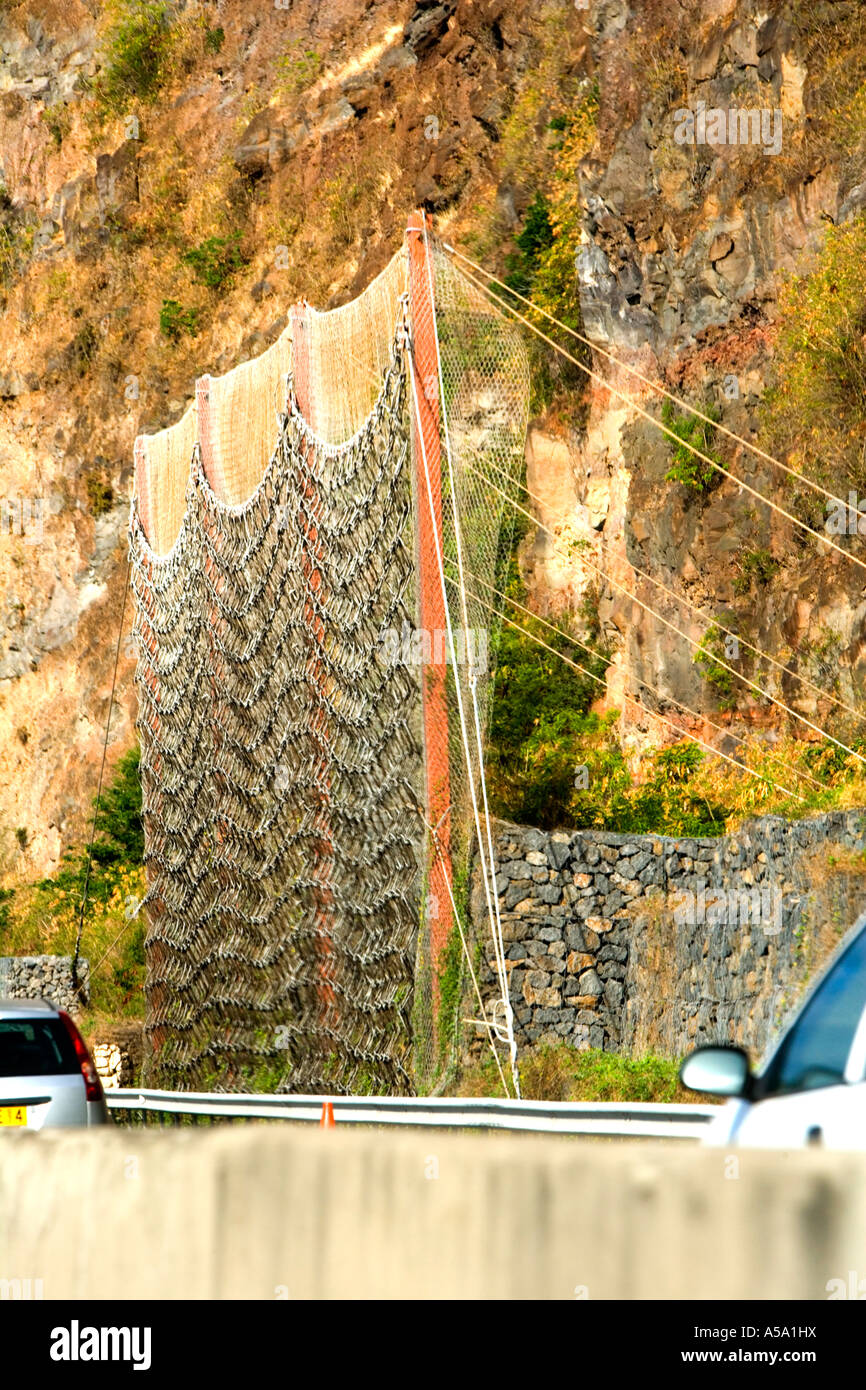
432 617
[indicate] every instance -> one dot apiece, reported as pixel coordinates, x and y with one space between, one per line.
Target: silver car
47 1076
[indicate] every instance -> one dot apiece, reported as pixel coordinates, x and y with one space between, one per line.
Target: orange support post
431 603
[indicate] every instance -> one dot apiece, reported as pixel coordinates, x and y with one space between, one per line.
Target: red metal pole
431 603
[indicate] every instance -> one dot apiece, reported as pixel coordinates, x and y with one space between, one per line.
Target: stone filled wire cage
306 794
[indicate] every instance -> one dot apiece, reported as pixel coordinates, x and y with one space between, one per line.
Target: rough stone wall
113 1064
646 943
44 977
117 1050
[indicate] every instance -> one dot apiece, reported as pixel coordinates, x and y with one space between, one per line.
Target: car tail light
92 1083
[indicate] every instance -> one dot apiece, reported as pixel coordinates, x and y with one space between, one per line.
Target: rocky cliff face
711 181
302 133
310 130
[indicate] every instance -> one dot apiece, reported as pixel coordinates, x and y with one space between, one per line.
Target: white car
811 1087
47 1076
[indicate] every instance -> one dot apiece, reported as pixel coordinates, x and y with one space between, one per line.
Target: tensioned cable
658 424
487 1024
473 680
436 545
709 618
816 728
569 637
780 665
123 930
653 714
657 386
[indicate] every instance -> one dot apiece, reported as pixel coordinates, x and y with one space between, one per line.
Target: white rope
657 386
496 924
709 618
673 627
602 656
483 1022
441 568
657 424
653 714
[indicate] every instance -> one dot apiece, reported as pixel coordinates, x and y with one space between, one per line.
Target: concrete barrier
265 1213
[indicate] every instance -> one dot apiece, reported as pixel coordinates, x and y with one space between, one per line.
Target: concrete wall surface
267 1212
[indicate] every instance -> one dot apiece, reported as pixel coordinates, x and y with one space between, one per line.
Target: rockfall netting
161 472
279 770
298 708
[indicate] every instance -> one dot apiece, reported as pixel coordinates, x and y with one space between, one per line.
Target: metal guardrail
632 1120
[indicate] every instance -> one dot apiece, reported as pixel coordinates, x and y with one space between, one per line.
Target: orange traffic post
327 1121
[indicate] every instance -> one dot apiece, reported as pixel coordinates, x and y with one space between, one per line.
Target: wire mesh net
309 746
244 409
349 349
162 463
279 773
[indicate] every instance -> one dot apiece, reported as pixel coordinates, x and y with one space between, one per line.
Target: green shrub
298 69
216 260
540 725
693 433
138 49
16 240
535 238
119 825
708 657
449 972
118 836
174 320
559 1072
815 415
543 267
545 741
214 39
46 916
754 565
58 122
100 494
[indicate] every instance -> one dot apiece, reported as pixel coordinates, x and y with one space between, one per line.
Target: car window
35 1047
815 1049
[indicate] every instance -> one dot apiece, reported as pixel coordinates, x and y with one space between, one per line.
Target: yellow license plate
13 1114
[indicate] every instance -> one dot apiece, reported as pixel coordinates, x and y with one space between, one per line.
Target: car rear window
35 1047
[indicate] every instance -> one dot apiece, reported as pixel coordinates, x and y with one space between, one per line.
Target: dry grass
559 1072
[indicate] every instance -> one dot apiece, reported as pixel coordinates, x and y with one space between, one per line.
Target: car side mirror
717 1071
